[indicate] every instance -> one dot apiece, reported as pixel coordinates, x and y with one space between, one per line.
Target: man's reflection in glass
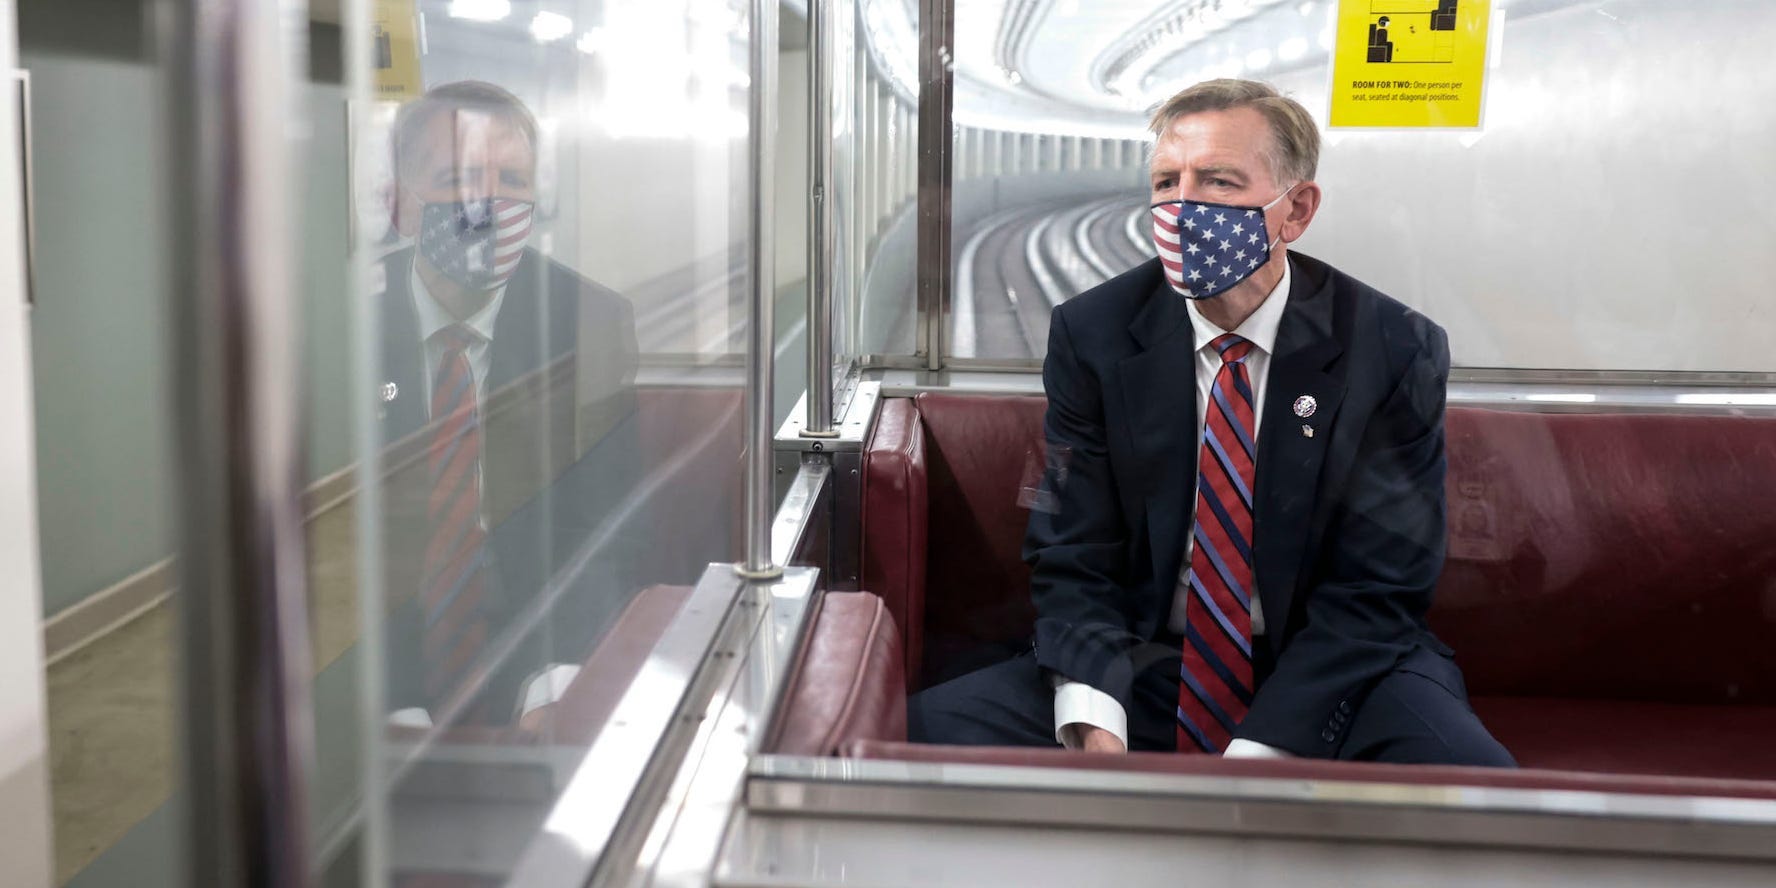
497 469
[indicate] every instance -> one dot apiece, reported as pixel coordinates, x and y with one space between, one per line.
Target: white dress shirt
1077 703
433 317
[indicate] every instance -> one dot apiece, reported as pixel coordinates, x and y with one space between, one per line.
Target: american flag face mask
475 243
1207 248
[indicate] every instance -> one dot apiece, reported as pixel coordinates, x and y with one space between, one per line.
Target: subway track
1016 266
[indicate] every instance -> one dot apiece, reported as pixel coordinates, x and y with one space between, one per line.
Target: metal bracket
852 428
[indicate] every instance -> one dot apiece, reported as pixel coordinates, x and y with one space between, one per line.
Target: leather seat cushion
848 683
1628 737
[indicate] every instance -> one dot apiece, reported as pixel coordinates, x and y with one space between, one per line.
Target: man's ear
1303 203
403 209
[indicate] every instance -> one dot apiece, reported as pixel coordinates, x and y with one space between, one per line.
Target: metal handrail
762 280
820 224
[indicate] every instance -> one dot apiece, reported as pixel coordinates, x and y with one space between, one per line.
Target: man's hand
1095 739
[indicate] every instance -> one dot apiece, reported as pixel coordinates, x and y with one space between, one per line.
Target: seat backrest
1628 556
980 453
1625 556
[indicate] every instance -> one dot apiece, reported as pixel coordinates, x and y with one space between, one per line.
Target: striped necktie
454 586
1216 686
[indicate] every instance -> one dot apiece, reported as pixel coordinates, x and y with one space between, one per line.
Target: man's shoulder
1368 317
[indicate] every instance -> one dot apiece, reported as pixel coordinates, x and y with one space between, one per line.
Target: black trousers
1417 714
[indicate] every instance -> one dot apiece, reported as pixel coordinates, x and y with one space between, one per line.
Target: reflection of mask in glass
476 243
1207 248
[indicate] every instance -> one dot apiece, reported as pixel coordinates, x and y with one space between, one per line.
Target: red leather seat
1610 588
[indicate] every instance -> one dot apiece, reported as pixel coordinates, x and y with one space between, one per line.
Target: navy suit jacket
559 452
1349 536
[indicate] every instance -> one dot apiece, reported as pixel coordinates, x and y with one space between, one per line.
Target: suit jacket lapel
1159 393
1289 458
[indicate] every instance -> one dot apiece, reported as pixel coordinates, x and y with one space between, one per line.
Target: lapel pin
389 391
1305 406
1307 431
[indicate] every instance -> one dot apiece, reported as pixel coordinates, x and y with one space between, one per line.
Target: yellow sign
1409 63
394 47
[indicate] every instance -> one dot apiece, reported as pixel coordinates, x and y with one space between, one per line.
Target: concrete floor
111 705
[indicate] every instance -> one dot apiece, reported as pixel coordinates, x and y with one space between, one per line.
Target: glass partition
552 205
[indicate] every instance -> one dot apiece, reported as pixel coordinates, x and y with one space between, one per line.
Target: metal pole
762 101
937 29
819 422
244 645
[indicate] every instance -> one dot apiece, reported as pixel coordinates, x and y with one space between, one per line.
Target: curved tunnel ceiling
1093 67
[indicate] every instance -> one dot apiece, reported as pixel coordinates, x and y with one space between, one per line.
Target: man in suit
1246 468
507 419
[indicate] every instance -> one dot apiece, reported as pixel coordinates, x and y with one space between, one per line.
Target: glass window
887 81
1034 220
1610 384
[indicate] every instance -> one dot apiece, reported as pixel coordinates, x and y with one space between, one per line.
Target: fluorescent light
1257 59
1292 49
590 42
1563 398
480 10
1742 399
549 27
1308 7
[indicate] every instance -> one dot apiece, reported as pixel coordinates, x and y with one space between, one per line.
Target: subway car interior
461 443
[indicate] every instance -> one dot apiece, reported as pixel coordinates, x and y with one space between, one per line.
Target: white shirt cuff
546 687
1077 703
1240 748
411 717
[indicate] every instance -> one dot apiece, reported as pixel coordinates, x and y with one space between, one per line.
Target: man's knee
1002 704
1412 719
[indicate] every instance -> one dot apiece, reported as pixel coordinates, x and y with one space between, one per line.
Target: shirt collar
433 317
1260 329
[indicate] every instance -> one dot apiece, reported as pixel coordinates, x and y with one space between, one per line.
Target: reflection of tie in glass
454 584
1216 684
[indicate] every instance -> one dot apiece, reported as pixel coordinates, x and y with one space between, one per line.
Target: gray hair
407 137
1294 152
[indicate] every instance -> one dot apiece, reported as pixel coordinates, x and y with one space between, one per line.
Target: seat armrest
894 521
848 684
